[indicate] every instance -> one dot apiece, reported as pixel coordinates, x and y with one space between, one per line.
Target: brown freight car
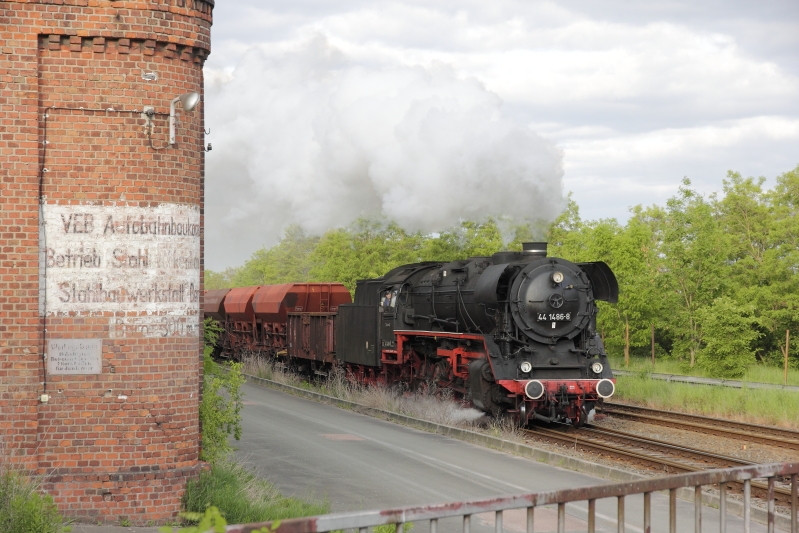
259 319
213 304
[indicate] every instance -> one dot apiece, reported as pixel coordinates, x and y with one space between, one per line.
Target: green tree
288 261
480 239
517 233
220 280
784 312
368 249
762 259
566 234
694 249
469 239
632 254
728 334
445 246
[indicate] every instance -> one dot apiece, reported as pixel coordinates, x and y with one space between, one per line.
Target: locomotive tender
514 333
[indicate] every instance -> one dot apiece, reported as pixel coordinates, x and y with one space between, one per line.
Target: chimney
536 248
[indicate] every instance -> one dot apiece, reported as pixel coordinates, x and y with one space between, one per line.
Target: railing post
672 510
467 523
398 527
723 507
747 506
698 509
434 525
561 518
620 516
771 504
794 509
647 512
591 516
498 522
530 519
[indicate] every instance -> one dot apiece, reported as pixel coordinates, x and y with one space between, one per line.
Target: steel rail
584 440
572 439
720 461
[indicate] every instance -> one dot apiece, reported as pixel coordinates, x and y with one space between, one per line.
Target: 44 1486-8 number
554 317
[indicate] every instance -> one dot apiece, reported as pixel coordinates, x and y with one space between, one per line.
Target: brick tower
101 250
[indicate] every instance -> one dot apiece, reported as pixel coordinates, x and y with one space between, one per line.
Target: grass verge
758 373
243 498
771 407
23 509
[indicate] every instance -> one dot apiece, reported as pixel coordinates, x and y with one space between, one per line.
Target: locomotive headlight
525 367
557 277
596 368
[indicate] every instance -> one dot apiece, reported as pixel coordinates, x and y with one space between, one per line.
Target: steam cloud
307 136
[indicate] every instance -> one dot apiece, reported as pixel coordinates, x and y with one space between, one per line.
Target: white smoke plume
308 136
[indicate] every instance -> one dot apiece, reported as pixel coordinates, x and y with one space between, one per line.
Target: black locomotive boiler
515 333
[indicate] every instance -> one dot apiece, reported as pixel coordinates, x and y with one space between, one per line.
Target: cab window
388 300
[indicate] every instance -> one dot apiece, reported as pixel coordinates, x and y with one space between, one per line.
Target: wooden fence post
653 344
785 356
626 342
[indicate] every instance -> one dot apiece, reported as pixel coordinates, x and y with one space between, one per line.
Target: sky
433 112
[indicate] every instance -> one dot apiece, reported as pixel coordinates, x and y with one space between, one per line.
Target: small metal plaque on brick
74 356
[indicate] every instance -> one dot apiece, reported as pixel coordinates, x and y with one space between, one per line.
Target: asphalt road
356 462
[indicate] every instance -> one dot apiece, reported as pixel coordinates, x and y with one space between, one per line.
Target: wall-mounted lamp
188 101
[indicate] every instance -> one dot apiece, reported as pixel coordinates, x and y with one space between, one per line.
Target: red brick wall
122 441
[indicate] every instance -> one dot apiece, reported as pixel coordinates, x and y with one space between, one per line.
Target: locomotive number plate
554 317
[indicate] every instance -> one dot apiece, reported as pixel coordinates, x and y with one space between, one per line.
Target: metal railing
716 479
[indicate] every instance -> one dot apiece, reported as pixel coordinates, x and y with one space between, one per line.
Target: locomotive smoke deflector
603 281
485 292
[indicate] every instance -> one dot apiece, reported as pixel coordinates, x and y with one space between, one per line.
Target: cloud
304 135
636 95
611 171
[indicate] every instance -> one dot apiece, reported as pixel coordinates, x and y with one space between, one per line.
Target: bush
220 408
243 498
23 509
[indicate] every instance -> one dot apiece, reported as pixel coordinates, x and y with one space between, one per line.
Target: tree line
708 280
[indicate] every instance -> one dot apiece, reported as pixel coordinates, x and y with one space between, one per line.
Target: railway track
654 454
771 436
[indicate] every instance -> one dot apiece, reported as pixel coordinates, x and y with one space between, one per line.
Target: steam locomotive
514 333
